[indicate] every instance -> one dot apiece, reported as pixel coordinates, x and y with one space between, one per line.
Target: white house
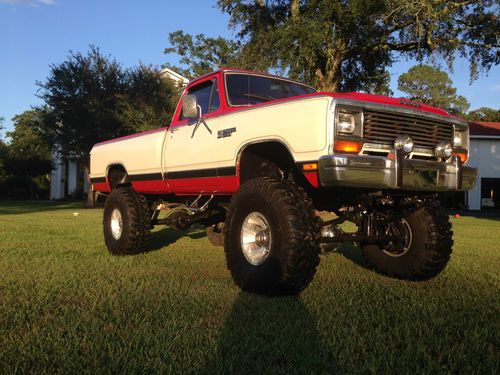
174 76
485 156
68 178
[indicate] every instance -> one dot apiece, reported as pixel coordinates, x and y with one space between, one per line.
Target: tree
484 114
27 157
429 85
86 95
340 45
151 99
3 151
202 54
92 98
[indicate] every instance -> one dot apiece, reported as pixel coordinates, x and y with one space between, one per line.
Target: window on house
490 192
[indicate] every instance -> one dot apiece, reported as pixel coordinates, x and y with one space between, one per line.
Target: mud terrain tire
292 234
126 221
429 251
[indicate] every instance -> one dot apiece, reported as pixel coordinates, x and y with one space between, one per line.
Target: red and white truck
254 157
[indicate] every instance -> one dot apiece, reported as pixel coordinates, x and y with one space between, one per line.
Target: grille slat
384 127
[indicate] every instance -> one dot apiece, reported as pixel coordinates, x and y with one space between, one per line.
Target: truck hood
380 99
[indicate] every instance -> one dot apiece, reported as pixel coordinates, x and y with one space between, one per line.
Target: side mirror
190 107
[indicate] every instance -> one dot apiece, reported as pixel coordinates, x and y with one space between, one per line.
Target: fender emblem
224 133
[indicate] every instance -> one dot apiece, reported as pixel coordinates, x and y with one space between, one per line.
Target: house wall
57 181
485 156
57 178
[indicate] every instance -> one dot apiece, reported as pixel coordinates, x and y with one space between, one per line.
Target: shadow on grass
169 236
26 207
272 336
353 253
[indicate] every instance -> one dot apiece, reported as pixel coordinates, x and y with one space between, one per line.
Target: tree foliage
150 99
202 54
429 85
92 98
484 114
86 95
27 140
26 160
339 45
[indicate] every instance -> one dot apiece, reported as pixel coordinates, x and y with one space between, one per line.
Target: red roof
491 129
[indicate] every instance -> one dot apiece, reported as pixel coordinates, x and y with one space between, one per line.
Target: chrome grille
383 127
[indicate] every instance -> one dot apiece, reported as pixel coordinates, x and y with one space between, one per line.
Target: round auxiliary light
404 143
443 150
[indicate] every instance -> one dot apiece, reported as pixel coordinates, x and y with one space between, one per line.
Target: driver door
190 156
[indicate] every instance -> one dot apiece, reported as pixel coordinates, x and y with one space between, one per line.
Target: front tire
427 248
126 221
271 237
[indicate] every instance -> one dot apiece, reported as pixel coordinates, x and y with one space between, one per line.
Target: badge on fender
225 132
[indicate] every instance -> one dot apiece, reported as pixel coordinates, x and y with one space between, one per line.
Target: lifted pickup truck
254 157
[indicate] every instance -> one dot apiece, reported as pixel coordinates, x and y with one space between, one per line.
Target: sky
37 33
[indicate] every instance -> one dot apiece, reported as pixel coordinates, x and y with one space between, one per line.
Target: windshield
246 89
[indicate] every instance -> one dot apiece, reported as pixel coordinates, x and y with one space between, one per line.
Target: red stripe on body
151 187
208 185
103 187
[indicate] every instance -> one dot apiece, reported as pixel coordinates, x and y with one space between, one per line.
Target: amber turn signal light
348 146
309 167
464 156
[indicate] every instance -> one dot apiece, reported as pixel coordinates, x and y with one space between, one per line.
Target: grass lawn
67 306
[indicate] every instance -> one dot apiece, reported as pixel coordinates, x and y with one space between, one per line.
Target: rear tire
428 250
271 237
126 221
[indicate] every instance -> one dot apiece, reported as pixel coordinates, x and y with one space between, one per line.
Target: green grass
66 306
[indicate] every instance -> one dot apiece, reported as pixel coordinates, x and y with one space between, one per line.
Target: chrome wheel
403 229
116 224
255 238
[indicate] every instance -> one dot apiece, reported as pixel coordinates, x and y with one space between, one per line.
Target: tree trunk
90 201
330 78
295 8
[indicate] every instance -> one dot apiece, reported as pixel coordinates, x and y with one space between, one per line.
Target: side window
207 96
214 100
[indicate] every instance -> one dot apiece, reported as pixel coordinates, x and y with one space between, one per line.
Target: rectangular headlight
461 138
349 122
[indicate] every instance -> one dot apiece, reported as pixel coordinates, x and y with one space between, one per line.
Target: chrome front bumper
376 172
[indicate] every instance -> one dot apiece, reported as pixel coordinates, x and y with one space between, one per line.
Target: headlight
461 143
346 123
458 139
349 122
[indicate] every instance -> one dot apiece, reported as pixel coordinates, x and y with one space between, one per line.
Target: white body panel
300 125
139 154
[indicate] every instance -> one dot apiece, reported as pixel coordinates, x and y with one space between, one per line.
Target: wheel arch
117 175
275 151
272 150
